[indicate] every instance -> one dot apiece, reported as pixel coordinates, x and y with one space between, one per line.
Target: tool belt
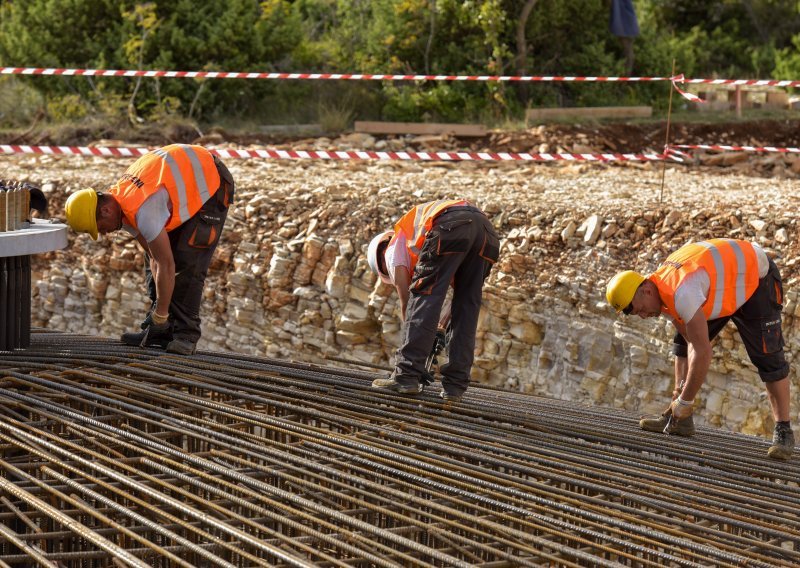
459 208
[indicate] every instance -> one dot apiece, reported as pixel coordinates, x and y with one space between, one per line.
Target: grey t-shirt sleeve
153 215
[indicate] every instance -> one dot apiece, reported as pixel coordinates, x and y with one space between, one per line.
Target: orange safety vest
732 269
415 224
187 172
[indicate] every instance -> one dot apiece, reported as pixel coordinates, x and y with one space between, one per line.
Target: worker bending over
174 201
700 287
432 246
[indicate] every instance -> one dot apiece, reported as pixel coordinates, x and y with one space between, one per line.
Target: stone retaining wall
290 280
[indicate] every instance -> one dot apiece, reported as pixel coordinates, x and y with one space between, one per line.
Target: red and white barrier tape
371 76
345 155
317 76
685 94
736 148
746 82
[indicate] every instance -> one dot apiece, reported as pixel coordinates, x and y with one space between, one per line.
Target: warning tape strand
672 152
57 71
736 148
271 153
305 76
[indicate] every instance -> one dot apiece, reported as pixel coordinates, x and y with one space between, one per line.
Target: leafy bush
787 61
19 103
67 108
723 38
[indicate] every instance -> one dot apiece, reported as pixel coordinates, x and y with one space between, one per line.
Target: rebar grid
114 456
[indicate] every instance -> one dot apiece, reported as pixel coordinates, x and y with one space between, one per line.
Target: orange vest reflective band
732 269
415 224
187 172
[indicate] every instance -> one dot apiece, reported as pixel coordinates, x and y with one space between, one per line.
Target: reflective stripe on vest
418 221
732 268
187 172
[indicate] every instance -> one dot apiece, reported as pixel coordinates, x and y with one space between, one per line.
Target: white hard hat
372 254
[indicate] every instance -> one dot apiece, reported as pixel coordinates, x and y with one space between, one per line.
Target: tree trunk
521 60
522 45
429 43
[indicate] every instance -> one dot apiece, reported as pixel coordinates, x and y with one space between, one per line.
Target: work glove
154 332
681 409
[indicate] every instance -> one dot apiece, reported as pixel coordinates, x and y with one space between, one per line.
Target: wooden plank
373 127
777 100
589 112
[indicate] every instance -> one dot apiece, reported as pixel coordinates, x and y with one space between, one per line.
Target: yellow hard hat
81 211
621 289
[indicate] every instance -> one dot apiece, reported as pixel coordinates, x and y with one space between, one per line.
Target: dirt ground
610 137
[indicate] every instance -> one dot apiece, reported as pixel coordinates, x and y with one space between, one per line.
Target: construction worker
432 246
700 287
174 201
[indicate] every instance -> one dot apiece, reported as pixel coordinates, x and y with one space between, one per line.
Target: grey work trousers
461 248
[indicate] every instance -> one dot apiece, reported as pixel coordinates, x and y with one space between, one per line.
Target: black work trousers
193 244
759 324
461 248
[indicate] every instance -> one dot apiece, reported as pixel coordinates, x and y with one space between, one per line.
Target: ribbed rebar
116 456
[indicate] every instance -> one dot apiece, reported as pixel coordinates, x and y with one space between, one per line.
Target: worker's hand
158 327
154 330
681 409
676 392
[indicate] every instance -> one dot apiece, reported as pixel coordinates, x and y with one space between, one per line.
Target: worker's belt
460 208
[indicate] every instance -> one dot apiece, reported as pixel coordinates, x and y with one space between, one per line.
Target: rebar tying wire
116 456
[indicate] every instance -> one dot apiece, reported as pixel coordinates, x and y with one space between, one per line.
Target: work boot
447 397
157 336
391 384
182 346
782 443
682 427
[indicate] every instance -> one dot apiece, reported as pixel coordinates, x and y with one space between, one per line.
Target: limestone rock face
290 277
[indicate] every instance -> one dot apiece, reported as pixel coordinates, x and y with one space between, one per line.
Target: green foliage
335 118
19 103
717 38
787 61
67 108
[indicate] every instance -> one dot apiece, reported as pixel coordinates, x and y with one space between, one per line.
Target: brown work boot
391 384
682 427
182 346
152 336
782 444
451 397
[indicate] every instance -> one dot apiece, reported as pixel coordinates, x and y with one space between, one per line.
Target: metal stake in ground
666 140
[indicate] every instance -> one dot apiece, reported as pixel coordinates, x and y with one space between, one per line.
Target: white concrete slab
40 236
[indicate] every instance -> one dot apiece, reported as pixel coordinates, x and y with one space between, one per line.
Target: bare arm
402 282
699 358
681 365
162 265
